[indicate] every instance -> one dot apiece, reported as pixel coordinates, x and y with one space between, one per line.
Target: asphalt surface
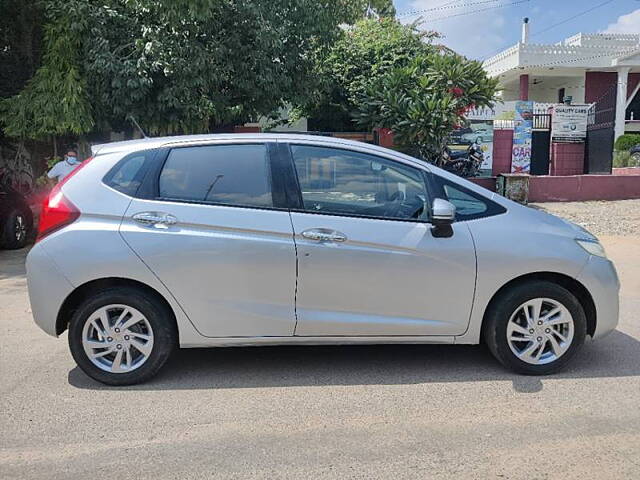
321 412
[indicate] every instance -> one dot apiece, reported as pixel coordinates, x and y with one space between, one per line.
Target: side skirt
260 341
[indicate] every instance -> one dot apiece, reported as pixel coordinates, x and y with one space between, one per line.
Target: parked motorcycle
464 163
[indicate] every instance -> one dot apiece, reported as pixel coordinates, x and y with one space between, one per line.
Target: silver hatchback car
264 239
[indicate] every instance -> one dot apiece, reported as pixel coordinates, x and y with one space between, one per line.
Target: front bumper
48 288
601 280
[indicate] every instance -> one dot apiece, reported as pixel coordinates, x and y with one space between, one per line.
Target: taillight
58 211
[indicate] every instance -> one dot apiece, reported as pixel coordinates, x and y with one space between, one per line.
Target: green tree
423 101
383 8
55 101
175 65
20 43
362 54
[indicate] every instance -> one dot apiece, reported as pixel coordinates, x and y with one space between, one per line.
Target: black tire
12 236
501 309
157 314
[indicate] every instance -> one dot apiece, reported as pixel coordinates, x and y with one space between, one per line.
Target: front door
215 238
368 263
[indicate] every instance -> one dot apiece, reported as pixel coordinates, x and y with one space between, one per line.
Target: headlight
594 248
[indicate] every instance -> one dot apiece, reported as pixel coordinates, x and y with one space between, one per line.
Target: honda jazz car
272 239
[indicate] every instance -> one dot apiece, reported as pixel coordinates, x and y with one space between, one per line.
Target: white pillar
621 100
525 30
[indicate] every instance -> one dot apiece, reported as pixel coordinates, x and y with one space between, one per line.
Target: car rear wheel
535 328
122 336
15 230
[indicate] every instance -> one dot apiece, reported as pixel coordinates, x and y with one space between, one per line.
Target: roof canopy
582 51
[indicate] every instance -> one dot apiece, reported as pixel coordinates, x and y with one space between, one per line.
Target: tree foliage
381 73
382 8
423 101
363 53
627 141
175 65
55 101
20 43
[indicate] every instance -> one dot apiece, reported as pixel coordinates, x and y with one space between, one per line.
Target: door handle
155 219
324 235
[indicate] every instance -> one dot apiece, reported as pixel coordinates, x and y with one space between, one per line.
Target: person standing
64 167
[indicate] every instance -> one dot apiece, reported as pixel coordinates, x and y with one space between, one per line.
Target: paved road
331 412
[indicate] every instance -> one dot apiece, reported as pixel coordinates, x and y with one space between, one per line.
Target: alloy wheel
117 338
20 228
540 331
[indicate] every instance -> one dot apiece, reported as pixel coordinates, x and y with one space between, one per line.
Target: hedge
626 141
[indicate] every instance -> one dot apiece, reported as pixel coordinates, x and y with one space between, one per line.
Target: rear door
368 261
217 233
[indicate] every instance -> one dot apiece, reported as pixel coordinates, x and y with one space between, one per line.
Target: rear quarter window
127 175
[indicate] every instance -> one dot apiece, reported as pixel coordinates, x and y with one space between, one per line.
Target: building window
561 93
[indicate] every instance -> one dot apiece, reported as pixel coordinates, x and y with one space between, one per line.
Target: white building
600 68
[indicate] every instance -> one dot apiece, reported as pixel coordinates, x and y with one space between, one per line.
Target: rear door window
236 175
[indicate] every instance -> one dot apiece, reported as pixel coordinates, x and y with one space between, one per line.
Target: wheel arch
75 298
565 281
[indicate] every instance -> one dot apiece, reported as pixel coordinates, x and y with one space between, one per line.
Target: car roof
156 142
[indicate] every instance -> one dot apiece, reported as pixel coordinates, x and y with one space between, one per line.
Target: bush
626 141
621 159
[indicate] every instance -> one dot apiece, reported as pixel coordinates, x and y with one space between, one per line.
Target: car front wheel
535 328
121 336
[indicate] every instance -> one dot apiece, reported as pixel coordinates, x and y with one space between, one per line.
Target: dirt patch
621 217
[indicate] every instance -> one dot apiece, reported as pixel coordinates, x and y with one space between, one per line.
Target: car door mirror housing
443 214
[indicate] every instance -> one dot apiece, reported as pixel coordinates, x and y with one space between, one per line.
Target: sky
477 29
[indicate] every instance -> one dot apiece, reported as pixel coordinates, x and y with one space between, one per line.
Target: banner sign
569 123
479 132
483 132
522 134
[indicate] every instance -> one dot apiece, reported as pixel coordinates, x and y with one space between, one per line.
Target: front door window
342 182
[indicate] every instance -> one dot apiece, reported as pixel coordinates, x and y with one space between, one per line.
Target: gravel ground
620 217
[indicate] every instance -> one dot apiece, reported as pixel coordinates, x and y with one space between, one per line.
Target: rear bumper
601 280
48 288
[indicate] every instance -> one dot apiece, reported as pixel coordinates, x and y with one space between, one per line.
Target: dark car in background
16 219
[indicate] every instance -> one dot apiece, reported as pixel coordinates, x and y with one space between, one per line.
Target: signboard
569 123
490 113
522 135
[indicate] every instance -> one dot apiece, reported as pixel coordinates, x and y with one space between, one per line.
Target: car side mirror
443 214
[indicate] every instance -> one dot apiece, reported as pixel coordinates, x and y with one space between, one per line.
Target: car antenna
133 120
